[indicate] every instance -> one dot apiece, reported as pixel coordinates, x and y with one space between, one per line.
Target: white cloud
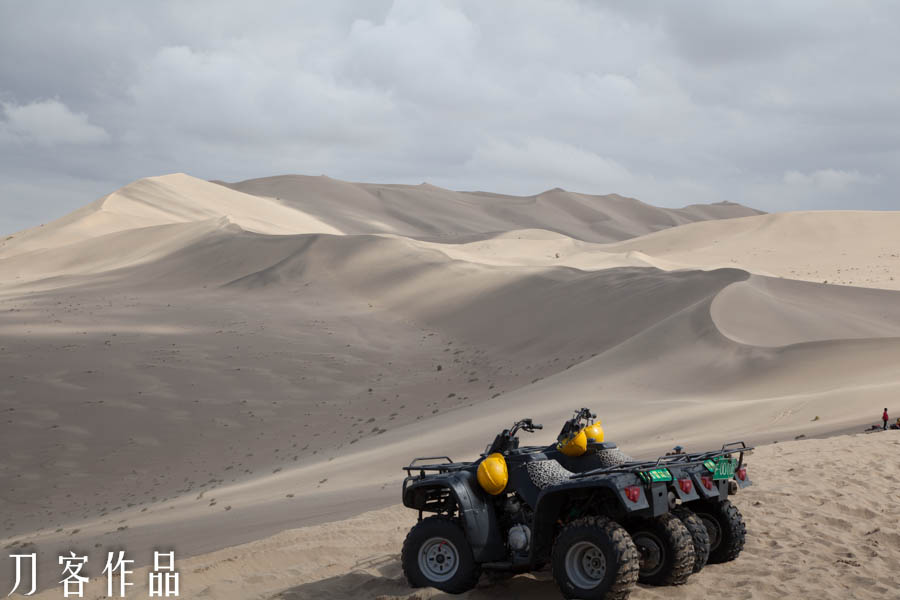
49 122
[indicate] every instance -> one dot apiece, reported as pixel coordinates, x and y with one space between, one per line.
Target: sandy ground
198 366
821 520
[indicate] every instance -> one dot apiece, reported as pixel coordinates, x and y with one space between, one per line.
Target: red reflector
742 473
685 485
633 492
707 482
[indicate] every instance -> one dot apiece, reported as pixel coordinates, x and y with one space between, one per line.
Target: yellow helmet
492 474
576 445
594 432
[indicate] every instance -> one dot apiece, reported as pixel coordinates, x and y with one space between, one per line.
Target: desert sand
851 247
815 529
196 365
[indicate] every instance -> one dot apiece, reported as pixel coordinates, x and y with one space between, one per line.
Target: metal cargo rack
443 467
674 460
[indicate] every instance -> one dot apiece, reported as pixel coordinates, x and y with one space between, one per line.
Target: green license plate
724 468
654 475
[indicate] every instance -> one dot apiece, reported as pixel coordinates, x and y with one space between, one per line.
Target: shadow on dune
382 578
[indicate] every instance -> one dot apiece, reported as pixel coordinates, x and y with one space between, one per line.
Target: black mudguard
476 512
608 488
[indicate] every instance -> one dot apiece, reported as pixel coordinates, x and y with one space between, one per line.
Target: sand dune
184 207
426 211
281 205
176 198
537 248
200 366
764 311
856 248
749 392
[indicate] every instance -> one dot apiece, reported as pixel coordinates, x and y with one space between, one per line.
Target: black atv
602 527
698 488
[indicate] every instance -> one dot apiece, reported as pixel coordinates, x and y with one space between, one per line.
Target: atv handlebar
582 419
524 425
507 439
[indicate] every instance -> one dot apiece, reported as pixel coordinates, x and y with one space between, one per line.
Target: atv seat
547 472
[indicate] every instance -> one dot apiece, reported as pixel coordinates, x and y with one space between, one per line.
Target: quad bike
699 484
601 520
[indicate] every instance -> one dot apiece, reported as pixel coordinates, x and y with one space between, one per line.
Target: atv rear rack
675 460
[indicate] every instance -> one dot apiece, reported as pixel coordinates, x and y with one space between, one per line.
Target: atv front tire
437 554
594 558
666 550
699 535
726 528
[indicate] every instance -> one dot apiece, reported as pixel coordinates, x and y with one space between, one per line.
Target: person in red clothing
885 418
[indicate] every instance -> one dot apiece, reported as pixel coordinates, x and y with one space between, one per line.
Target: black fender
608 491
476 511
701 480
675 486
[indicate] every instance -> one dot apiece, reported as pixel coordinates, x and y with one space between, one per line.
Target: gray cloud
773 104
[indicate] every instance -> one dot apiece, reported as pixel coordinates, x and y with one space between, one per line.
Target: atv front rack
443 467
675 460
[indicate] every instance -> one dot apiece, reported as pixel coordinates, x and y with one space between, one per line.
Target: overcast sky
779 105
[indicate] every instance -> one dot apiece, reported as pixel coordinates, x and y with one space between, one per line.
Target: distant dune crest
144 220
553 228
429 212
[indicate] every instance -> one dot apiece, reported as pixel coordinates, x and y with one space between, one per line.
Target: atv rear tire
666 550
594 558
699 535
726 528
437 554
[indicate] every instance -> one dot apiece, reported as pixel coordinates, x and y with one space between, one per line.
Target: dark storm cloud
780 105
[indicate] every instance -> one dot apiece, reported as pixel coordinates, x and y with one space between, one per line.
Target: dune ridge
851 247
429 212
284 346
166 199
